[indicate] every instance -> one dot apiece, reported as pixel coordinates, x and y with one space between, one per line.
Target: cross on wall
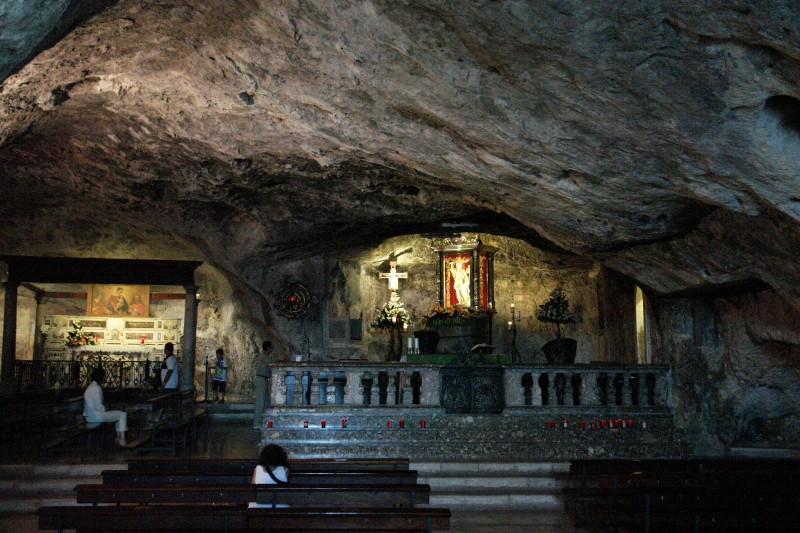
393 276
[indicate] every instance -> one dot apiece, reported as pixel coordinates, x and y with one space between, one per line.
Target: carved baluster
322 383
575 382
289 381
619 385
383 387
603 392
416 388
546 389
527 387
366 387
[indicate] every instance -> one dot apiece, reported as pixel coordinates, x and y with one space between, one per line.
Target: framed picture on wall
118 300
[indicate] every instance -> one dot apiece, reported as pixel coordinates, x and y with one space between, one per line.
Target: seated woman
272 468
95 411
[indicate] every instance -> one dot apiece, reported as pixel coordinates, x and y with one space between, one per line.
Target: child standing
220 375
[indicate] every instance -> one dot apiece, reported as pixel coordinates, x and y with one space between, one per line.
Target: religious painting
118 300
457 279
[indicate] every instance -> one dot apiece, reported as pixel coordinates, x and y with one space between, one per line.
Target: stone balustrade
388 384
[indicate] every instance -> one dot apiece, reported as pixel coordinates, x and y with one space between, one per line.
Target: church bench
228 518
76 427
295 495
317 477
212 465
27 410
667 494
173 415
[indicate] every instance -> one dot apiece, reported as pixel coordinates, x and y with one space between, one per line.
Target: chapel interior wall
736 369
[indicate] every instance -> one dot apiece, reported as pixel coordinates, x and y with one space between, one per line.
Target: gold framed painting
118 300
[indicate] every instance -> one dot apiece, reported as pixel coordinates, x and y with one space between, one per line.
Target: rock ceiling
656 137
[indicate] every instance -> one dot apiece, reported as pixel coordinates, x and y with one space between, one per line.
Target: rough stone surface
657 139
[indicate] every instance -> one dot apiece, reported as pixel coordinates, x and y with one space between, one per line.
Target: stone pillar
537 389
9 335
189 338
38 339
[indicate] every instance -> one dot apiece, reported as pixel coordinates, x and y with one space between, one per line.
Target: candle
422 423
565 424
603 424
269 424
405 326
142 339
410 343
594 424
344 422
644 424
322 424
416 344
389 424
510 325
305 424
630 424
394 319
402 422
582 424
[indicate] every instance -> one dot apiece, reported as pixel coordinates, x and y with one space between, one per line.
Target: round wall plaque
293 300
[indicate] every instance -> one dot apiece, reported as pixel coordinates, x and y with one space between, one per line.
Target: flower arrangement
555 310
77 338
438 311
392 315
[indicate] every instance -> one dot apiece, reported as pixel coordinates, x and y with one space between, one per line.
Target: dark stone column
38 338
189 338
9 335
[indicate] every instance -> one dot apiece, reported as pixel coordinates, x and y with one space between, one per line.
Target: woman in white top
272 468
95 411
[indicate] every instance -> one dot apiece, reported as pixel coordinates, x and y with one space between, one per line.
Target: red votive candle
644 424
322 424
389 424
305 423
344 422
624 423
422 423
630 424
582 424
269 424
142 339
594 424
565 424
603 423
402 422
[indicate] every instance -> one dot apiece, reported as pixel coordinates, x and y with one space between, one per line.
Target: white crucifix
393 275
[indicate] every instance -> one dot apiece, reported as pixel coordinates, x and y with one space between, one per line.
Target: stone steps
495 486
25 488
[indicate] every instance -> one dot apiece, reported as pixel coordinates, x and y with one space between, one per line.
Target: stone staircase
24 488
495 486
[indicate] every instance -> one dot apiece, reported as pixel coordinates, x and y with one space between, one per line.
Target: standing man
169 370
220 375
263 372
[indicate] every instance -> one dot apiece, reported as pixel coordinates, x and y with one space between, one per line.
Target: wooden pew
173 415
215 465
24 411
694 495
405 495
227 518
311 477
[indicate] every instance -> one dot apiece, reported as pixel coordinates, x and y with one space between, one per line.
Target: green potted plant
555 310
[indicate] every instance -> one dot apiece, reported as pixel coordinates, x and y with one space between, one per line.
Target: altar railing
67 374
388 384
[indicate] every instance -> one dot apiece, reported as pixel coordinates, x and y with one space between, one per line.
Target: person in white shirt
169 370
220 376
272 468
95 411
